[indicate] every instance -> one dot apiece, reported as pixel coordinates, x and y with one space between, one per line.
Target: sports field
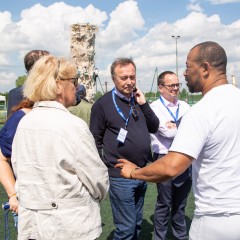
147 225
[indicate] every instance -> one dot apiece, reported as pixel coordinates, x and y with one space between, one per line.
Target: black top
105 124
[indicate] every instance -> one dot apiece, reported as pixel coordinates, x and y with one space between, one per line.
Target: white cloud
157 48
120 34
6 80
123 25
4 60
51 26
5 19
223 1
194 5
44 28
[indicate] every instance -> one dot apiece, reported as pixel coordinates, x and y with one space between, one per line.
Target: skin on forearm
171 165
6 175
8 181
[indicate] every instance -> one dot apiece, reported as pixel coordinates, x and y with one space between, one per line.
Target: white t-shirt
210 133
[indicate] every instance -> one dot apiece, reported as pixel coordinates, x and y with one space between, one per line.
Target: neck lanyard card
122 135
123 132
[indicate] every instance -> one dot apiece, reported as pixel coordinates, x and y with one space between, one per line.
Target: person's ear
160 87
59 87
206 68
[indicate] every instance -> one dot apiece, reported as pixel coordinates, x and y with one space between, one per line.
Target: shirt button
54 204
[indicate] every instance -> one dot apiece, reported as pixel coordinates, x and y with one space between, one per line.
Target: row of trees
150 96
183 95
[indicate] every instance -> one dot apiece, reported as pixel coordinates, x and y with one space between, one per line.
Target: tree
97 96
20 80
183 94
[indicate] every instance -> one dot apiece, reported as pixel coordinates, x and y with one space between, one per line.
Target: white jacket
61 178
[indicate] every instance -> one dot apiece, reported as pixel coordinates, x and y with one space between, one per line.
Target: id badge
122 135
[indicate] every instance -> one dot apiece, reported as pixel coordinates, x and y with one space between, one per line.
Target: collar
170 104
50 104
122 96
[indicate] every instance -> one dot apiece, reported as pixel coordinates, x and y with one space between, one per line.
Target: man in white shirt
173 193
209 139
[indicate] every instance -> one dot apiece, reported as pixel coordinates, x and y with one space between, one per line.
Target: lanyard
177 111
119 110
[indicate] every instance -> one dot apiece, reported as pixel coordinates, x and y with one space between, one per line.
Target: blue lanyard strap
119 110
177 111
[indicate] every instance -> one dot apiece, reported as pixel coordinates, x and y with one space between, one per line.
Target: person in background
15 95
60 176
208 138
7 133
173 193
6 138
83 109
120 123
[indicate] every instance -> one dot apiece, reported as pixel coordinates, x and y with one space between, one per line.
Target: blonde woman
61 178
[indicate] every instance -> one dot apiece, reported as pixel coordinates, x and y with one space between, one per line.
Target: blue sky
140 29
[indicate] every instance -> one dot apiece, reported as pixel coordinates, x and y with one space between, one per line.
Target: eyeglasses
172 86
73 80
133 108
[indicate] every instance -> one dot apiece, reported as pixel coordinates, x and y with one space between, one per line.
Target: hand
13 202
171 125
126 166
139 97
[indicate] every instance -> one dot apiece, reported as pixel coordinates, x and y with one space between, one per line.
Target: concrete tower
83 51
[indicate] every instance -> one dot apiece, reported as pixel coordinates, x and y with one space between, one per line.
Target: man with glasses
120 123
172 194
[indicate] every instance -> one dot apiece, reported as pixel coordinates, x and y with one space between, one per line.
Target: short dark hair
122 62
32 56
212 53
160 79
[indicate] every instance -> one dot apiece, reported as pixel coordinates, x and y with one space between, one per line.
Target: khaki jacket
61 178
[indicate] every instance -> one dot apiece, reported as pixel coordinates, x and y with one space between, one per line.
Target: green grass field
106 213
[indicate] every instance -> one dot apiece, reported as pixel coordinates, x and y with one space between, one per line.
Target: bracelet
133 172
12 195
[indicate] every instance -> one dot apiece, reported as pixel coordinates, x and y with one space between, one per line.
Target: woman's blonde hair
41 84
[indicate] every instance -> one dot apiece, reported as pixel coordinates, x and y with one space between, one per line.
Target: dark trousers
171 203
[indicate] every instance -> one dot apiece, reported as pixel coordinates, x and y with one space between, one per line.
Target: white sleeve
192 134
89 167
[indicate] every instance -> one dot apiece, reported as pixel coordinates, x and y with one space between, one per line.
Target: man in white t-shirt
209 139
173 193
